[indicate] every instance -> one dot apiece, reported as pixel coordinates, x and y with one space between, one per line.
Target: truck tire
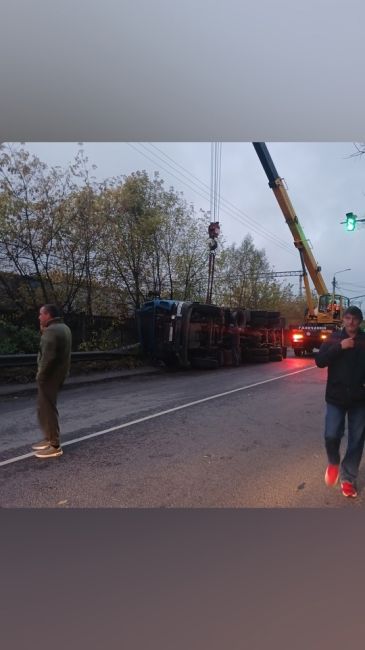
298 352
206 364
275 354
171 361
258 355
260 352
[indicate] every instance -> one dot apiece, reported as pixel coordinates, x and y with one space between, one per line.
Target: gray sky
323 181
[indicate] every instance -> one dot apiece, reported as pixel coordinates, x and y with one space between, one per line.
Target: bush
17 340
104 340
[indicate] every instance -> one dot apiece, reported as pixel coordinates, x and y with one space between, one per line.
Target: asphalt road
237 437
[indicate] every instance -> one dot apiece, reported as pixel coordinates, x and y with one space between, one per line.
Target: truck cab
181 333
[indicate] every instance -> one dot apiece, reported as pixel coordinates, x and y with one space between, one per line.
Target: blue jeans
334 431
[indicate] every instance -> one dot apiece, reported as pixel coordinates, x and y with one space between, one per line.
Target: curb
12 390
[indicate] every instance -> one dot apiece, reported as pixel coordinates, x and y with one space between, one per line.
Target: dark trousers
334 431
47 411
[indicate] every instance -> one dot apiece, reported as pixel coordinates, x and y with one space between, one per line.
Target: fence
104 331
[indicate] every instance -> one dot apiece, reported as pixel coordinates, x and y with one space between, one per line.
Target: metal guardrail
9 360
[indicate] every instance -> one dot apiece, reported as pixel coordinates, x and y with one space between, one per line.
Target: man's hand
347 344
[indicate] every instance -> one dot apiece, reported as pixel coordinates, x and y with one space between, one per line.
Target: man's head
352 318
47 313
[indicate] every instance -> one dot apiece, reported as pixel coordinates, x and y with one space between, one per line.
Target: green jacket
54 356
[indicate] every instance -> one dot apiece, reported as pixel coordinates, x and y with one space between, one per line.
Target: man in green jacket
54 359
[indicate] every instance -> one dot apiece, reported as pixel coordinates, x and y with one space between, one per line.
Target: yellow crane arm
300 240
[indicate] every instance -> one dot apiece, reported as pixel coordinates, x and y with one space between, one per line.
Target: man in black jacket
344 354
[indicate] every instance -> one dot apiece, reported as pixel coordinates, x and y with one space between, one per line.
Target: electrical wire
228 203
239 215
203 193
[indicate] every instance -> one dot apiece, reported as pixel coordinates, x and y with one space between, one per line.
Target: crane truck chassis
304 339
196 335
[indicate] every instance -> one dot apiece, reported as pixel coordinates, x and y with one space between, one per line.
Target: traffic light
214 229
350 221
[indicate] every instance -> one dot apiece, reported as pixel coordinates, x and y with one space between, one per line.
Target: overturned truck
191 334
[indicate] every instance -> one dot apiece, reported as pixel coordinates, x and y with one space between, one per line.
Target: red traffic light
214 229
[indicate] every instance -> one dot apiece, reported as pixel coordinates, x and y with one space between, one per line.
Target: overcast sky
323 181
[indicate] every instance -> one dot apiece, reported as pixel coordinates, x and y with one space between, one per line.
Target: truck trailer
184 334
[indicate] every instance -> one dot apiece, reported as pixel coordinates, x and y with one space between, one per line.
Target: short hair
352 310
52 310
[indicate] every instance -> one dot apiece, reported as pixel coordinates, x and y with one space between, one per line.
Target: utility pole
334 282
213 232
214 227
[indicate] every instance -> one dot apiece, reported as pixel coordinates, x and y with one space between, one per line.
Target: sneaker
49 452
331 475
348 489
43 444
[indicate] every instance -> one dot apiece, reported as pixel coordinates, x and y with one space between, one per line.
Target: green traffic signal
350 221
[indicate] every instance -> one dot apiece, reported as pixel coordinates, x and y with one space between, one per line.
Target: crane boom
327 316
300 240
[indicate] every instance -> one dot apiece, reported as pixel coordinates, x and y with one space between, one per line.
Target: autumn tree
30 196
50 230
244 279
156 246
106 247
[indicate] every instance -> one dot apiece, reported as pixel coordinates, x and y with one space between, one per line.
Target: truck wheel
206 364
276 354
260 352
259 355
220 358
171 362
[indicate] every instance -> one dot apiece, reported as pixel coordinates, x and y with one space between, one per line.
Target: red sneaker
331 475
348 489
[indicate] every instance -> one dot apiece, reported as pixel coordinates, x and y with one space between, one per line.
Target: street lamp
334 281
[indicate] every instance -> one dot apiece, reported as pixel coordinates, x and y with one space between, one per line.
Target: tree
29 198
50 230
243 280
359 149
131 220
156 246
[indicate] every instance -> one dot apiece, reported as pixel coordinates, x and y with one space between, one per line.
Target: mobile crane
319 321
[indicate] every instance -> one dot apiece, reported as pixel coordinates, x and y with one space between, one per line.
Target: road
237 437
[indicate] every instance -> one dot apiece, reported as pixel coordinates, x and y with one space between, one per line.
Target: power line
352 284
243 220
228 203
242 216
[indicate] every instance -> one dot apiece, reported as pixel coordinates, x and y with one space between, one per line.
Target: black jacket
346 369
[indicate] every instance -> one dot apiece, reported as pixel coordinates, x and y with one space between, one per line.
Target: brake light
297 337
324 337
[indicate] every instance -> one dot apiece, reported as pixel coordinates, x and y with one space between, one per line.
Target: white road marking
166 412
